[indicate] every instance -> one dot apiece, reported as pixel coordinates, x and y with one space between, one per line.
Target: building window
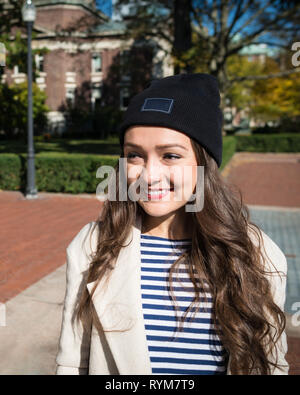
124 63
125 57
18 76
124 98
16 69
96 96
70 96
39 62
96 63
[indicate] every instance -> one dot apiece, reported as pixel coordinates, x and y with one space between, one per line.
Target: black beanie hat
188 103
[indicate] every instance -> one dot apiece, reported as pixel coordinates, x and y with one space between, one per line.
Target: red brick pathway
266 179
34 235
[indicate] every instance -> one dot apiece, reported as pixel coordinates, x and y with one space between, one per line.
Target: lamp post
28 15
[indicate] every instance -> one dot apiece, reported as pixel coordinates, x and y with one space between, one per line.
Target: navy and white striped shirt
196 349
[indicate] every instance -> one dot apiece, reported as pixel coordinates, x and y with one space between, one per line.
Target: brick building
88 58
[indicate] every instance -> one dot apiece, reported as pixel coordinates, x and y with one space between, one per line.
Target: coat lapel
119 307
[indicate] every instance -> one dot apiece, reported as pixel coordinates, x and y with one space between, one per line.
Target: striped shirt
195 350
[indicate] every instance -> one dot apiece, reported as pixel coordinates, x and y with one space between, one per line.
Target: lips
157 194
160 189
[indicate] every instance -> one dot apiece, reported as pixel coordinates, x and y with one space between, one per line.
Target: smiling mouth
157 194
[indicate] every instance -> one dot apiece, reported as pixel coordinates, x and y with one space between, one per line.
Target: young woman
163 284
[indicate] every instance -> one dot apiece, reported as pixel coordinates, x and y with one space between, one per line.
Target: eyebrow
157 146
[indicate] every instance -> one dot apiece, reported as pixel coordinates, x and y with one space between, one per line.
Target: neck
172 226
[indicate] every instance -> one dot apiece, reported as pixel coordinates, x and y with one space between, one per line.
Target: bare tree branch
224 13
237 15
265 27
214 17
253 17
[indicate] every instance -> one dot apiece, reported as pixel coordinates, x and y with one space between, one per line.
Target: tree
13 98
270 99
220 29
276 98
13 114
240 93
163 19
182 32
10 15
16 52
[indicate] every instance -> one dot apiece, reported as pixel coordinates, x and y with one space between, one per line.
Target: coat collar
119 307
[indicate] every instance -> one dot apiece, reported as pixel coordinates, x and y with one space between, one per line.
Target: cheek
191 186
189 175
133 173
194 177
190 181
185 180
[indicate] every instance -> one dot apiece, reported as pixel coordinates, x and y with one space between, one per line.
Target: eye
131 155
172 156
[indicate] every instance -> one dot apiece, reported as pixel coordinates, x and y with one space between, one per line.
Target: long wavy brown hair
222 255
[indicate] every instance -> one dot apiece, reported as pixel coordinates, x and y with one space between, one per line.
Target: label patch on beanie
158 104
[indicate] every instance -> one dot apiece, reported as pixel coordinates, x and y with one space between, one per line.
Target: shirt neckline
164 238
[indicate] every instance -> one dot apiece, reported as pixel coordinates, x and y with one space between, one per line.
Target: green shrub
13 114
265 130
286 126
54 172
11 172
106 121
268 143
101 123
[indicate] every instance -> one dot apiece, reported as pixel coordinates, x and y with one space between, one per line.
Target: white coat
119 306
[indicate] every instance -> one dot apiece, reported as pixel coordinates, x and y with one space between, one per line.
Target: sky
105 6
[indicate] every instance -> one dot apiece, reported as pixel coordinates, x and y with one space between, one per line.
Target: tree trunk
182 31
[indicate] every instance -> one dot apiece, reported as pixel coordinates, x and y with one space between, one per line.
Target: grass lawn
95 147
101 147
229 148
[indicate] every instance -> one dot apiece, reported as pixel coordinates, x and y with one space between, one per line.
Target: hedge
268 143
67 173
11 172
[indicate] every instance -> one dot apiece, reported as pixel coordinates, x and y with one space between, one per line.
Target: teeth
156 193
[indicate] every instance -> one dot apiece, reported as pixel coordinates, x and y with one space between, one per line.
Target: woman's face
171 169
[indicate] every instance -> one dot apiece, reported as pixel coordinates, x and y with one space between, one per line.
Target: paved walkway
283 226
29 341
266 179
34 235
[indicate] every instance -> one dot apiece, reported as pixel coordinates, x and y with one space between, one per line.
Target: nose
152 173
